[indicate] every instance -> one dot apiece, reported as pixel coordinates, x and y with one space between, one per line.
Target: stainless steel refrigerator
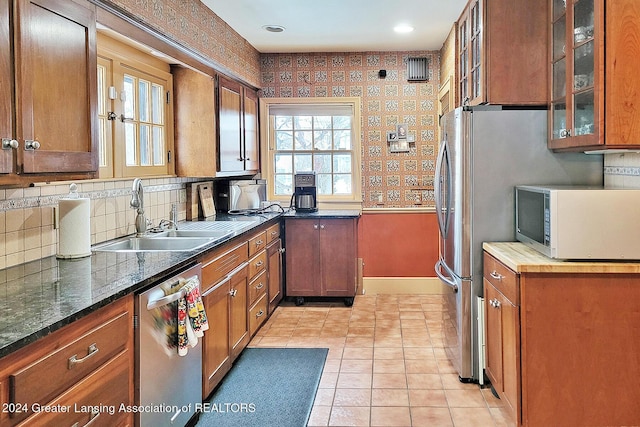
484 152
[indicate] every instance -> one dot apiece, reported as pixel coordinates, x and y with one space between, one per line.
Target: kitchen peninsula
562 337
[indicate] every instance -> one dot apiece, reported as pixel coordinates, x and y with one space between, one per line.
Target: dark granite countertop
325 213
38 297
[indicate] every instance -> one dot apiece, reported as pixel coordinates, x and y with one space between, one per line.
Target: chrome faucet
137 202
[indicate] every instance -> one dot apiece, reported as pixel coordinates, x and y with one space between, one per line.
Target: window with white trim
134 111
314 135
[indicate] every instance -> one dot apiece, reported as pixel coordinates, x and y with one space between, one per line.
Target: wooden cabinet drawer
257 264
218 265
257 314
57 371
257 243
257 287
504 279
273 233
94 401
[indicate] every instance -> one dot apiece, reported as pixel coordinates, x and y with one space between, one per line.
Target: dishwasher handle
159 302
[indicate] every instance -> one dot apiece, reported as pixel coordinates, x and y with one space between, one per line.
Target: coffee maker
304 195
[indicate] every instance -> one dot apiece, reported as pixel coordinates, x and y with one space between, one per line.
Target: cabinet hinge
136 322
169 156
168 97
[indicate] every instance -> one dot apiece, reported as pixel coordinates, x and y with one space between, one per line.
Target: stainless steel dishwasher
169 386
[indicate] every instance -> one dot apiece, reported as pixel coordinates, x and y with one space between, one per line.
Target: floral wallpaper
192 24
389 178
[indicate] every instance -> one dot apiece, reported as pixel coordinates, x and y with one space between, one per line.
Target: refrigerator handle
446 279
443 220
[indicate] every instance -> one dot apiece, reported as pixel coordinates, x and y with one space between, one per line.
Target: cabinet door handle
260 286
315 226
94 416
496 275
494 303
259 263
322 226
8 144
260 313
274 233
233 292
91 351
31 144
259 242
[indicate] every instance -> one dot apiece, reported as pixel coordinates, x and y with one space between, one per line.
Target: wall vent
417 69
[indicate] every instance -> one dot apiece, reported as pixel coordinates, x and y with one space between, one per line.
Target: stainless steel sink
157 243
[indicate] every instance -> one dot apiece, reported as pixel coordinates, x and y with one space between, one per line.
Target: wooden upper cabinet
238 128
251 130
502 46
6 89
593 66
195 123
54 91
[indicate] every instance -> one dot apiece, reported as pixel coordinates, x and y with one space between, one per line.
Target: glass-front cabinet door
574 96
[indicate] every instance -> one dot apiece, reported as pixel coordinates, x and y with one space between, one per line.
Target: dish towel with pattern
192 319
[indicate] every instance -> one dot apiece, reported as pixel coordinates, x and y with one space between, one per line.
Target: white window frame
268 151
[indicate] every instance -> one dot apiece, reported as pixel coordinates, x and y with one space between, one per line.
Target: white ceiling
340 25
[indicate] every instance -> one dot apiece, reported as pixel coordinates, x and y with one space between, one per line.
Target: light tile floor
386 364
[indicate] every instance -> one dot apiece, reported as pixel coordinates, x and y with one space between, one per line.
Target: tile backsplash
622 170
27 225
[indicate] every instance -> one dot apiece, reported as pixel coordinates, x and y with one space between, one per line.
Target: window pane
102 90
130 99
322 122
143 99
284 140
342 184
303 163
342 122
157 104
284 163
304 140
158 146
322 163
284 122
323 183
102 140
145 146
302 122
283 184
342 163
342 140
322 139
130 142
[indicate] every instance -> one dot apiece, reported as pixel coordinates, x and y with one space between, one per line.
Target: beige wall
400 180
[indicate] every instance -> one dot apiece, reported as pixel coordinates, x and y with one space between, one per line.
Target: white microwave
579 223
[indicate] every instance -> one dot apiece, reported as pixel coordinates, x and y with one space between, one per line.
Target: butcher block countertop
522 259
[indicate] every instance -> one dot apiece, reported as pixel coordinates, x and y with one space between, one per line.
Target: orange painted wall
398 244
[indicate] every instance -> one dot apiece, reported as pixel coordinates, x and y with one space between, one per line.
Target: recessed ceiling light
273 28
403 28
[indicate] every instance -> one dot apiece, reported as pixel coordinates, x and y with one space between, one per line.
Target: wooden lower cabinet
321 257
85 369
235 283
562 347
502 319
216 354
238 312
274 270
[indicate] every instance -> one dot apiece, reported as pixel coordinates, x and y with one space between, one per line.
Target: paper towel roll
74 238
